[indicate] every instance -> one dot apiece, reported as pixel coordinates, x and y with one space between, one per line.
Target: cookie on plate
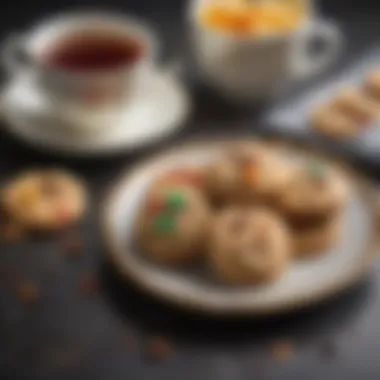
312 204
249 246
372 84
333 123
311 240
357 105
44 199
250 173
172 224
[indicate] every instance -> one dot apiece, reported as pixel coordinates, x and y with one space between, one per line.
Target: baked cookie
316 190
357 105
312 201
317 238
333 123
44 199
372 85
173 224
249 246
247 174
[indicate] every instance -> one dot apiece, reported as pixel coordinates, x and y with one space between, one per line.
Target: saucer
153 113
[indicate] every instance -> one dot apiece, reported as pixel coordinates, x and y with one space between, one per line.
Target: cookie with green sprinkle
172 229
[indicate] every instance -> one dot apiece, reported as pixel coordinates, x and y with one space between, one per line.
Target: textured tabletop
81 331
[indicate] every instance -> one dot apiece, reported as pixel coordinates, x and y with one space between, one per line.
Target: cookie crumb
160 348
28 292
282 350
11 232
73 245
129 342
88 284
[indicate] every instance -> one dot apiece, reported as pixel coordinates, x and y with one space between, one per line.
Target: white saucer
153 114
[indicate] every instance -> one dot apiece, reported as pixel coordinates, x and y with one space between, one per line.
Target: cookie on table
249 246
314 199
44 199
372 85
247 174
357 105
333 123
172 224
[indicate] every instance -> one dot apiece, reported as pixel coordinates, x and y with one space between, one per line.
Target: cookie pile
248 213
350 111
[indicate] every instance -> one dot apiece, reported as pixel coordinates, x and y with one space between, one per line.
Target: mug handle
10 54
308 64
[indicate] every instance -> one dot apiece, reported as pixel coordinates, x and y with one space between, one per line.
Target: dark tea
92 52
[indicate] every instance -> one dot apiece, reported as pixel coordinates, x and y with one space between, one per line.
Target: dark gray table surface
69 336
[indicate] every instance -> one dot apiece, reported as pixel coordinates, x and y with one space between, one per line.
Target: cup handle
11 52
308 64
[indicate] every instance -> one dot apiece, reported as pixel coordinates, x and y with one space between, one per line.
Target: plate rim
349 279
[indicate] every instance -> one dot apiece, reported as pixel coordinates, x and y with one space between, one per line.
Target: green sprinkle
164 224
316 170
175 201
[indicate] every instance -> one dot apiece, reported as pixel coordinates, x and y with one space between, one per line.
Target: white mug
65 87
257 68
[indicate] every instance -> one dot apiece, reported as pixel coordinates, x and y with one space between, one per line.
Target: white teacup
26 54
257 68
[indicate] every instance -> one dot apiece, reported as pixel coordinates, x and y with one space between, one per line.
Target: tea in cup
90 59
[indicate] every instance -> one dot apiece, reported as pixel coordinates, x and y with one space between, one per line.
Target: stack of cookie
248 213
350 111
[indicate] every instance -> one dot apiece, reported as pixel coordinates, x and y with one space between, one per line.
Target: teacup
84 59
257 67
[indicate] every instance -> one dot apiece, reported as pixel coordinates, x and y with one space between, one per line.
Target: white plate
305 282
153 114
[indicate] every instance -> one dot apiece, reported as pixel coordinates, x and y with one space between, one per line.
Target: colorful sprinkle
28 292
282 350
175 201
316 170
164 224
250 174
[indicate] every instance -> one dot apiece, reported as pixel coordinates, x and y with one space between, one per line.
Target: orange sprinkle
282 350
250 174
28 293
160 348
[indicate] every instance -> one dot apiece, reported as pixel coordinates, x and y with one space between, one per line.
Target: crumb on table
160 348
28 292
88 284
282 350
